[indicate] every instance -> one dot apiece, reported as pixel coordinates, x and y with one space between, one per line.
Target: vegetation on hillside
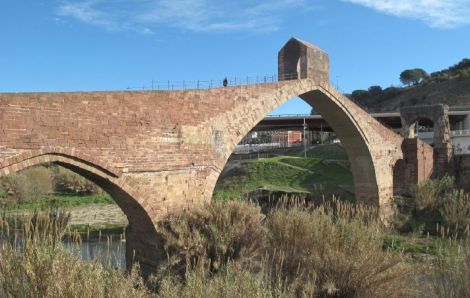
419 88
460 71
413 76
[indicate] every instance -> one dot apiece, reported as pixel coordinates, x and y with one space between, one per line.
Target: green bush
26 186
455 212
427 193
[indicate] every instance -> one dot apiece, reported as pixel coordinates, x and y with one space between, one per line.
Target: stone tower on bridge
301 60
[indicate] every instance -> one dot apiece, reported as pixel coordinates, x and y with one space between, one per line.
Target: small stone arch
439 115
122 193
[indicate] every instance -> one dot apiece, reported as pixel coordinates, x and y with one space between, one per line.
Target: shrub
220 232
39 182
28 185
427 193
455 211
13 187
341 255
66 181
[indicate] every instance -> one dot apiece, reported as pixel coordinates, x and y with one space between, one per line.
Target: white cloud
195 15
435 13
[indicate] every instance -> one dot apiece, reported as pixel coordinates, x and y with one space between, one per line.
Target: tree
360 95
413 76
375 90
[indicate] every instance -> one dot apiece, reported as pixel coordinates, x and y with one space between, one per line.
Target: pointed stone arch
373 149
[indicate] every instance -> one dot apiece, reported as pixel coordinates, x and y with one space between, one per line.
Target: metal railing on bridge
234 81
210 84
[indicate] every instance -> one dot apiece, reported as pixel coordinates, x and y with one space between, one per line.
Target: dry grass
217 233
450 276
45 271
334 250
340 253
34 264
229 249
229 282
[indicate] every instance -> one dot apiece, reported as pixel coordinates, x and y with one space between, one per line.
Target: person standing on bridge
225 82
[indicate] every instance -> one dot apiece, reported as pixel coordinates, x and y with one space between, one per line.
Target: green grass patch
292 175
61 201
92 231
419 244
408 244
329 151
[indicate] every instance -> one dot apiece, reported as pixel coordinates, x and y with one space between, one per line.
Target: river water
109 250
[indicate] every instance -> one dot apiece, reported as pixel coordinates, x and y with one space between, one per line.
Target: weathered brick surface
165 150
417 166
170 146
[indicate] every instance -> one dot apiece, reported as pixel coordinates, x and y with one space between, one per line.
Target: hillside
455 93
322 173
450 86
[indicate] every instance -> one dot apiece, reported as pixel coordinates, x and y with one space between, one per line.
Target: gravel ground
97 215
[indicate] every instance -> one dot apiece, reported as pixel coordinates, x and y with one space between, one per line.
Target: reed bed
232 249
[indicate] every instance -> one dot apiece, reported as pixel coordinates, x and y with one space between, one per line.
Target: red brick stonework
159 152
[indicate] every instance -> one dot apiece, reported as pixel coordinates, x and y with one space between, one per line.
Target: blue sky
85 45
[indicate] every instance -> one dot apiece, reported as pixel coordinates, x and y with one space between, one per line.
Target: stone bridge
159 152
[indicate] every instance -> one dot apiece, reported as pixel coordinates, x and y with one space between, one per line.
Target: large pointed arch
372 148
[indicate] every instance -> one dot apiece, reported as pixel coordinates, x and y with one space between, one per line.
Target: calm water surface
110 250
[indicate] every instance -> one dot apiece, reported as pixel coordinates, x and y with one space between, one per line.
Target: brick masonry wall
171 146
161 152
417 166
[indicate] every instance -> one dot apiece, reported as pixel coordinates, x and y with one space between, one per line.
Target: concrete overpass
459 120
